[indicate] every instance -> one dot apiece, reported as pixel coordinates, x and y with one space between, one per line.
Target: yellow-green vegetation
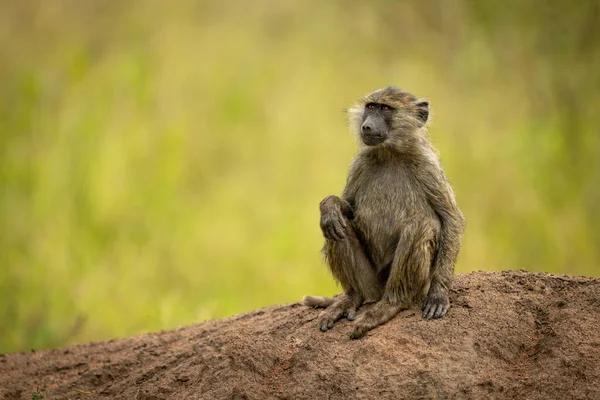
161 163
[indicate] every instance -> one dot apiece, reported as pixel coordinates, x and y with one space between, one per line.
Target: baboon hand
333 223
436 305
334 226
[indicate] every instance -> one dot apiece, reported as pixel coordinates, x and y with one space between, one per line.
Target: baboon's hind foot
344 306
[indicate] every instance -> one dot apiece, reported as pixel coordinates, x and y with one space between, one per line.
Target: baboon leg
352 268
408 279
410 274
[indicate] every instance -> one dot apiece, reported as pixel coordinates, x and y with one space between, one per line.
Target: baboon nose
366 128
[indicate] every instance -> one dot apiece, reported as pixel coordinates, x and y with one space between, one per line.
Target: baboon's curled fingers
379 314
329 317
333 225
326 323
434 311
344 306
359 330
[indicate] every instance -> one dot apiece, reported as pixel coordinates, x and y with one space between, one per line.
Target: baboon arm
349 193
345 203
441 197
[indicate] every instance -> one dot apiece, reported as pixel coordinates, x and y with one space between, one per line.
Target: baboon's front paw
436 306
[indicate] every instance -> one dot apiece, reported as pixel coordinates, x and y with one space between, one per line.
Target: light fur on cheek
355 117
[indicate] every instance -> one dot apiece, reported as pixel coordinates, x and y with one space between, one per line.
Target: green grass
37 396
162 165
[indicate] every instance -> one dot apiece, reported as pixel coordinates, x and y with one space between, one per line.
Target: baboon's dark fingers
436 305
432 311
333 224
358 331
379 314
329 317
441 311
333 230
333 233
325 323
329 233
339 230
351 314
426 308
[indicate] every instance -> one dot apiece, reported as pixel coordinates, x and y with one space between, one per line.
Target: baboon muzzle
373 130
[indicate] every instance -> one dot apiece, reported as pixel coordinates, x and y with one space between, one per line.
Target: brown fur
393 236
317 301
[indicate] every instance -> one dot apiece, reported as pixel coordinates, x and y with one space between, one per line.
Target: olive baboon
393 236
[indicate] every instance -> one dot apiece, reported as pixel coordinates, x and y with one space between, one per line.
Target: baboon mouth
373 139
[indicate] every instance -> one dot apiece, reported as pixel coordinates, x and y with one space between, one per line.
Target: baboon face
389 114
376 122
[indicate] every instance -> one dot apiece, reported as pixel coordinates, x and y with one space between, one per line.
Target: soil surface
509 335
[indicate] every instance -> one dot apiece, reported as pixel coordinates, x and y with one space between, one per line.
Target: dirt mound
508 335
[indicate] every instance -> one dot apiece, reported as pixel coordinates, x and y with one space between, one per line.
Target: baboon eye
386 108
370 106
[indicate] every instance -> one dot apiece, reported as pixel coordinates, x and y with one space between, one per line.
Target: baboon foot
379 314
359 329
346 306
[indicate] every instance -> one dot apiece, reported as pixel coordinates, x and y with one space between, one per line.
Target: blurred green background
161 163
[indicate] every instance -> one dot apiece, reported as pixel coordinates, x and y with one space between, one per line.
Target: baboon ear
422 110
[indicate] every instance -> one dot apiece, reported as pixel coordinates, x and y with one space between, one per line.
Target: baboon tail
317 301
